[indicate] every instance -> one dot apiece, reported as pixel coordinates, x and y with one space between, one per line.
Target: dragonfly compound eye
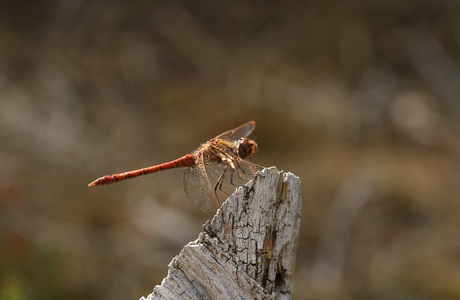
246 148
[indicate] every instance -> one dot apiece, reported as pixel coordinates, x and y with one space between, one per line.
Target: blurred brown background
357 98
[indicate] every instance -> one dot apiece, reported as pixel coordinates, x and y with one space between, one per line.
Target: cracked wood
248 249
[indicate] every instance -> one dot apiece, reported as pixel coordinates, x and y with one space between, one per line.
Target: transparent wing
239 132
208 177
198 188
199 182
242 172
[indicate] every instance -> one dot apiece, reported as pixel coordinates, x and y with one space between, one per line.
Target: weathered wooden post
248 249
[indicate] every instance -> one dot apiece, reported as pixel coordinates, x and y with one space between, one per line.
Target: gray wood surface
248 249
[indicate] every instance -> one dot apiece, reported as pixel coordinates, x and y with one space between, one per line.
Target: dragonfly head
246 148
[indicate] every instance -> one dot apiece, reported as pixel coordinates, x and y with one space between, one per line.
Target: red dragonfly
220 161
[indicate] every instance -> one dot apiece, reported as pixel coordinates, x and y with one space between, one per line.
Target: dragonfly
220 162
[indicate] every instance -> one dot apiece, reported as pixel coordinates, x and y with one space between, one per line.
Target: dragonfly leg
240 175
241 172
219 183
232 176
